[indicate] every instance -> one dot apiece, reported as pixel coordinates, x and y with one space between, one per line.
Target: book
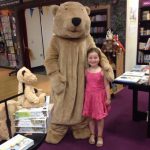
128 79
18 142
134 73
31 130
147 46
33 122
139 68
40 112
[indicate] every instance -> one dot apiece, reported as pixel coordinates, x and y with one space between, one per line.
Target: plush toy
12 107
65 64
112 44
32 96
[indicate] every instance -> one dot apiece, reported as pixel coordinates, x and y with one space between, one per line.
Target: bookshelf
143 53
100 22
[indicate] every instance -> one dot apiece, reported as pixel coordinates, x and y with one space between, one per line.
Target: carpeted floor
120 133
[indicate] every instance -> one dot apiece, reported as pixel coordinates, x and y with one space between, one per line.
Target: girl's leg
100 126
92 130
92 126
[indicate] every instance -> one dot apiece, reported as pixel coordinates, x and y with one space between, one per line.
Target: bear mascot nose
76 21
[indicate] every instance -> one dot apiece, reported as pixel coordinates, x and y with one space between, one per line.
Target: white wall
131 34
34 37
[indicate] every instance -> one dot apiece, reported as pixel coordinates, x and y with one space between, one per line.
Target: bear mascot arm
52 66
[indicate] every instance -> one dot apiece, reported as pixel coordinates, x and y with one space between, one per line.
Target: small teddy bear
12 108
32 96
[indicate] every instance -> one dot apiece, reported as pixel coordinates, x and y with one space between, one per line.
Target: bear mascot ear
54 9
88 10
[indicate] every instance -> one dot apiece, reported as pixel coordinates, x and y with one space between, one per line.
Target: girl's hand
108 101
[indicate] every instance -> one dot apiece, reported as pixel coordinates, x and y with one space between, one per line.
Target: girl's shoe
99 141
92 139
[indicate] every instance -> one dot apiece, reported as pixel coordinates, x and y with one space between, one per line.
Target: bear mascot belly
65 63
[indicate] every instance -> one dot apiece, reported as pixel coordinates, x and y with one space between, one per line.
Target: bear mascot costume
65 64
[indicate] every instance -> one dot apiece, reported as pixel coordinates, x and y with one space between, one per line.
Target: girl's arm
107 87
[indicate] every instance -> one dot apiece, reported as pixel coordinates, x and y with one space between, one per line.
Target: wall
131 34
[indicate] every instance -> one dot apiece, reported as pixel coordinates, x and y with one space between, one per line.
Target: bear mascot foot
53 138
83 133
56 133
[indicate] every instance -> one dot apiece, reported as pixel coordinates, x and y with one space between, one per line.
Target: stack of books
131 77
34 120
139 68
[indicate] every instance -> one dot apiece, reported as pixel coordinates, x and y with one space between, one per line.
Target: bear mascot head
32 97
65 63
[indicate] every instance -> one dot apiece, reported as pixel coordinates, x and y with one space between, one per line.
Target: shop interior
26 28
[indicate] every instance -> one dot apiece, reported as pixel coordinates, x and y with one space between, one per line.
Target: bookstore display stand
37 137
100 22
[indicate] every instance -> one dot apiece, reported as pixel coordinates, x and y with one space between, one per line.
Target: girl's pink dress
95 96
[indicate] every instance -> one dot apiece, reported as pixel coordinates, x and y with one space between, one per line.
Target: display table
38 140
136 114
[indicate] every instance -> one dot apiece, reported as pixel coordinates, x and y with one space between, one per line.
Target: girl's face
93 59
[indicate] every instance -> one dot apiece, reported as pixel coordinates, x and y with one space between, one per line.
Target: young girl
97 96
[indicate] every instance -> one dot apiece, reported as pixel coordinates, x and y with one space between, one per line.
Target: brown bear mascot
65 64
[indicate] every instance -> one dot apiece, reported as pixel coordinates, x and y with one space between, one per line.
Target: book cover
128 79
18 142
